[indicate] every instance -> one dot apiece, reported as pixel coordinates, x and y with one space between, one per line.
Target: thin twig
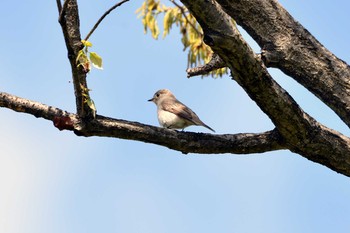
184 14
59 6
102 17
215 63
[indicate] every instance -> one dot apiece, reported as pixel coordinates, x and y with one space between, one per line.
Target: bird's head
160 95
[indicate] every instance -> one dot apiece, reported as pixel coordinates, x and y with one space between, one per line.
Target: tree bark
288 46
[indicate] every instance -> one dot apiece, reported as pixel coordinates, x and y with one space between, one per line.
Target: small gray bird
173 114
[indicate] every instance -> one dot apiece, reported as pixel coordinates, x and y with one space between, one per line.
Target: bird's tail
208 127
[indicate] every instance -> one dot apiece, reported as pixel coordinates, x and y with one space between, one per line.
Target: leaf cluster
85 58
191 33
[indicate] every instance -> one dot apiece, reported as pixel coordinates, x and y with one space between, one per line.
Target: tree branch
287 45
186 142
102 17
59 6
34 108
215 63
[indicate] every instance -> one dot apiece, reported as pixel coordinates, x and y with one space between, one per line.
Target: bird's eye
157 95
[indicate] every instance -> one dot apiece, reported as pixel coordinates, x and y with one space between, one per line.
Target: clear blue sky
56 182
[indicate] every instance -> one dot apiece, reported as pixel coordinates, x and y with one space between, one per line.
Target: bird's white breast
171 120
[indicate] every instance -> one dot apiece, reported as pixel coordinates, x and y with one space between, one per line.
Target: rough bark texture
285 45
301 132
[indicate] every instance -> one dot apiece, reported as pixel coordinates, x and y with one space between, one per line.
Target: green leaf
96 60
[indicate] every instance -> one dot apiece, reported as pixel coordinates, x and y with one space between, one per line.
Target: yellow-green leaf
167 21
96 60
155 31
86 43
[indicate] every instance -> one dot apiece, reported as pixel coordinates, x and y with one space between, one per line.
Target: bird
173 114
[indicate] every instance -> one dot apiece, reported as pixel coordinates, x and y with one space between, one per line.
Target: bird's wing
181 110
178 108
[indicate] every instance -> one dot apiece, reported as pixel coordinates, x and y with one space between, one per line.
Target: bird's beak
151 99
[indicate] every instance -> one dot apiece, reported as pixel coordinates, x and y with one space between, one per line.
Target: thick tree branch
34 108
186 142
300 131
288 46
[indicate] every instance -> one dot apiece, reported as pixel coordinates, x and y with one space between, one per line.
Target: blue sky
53 181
